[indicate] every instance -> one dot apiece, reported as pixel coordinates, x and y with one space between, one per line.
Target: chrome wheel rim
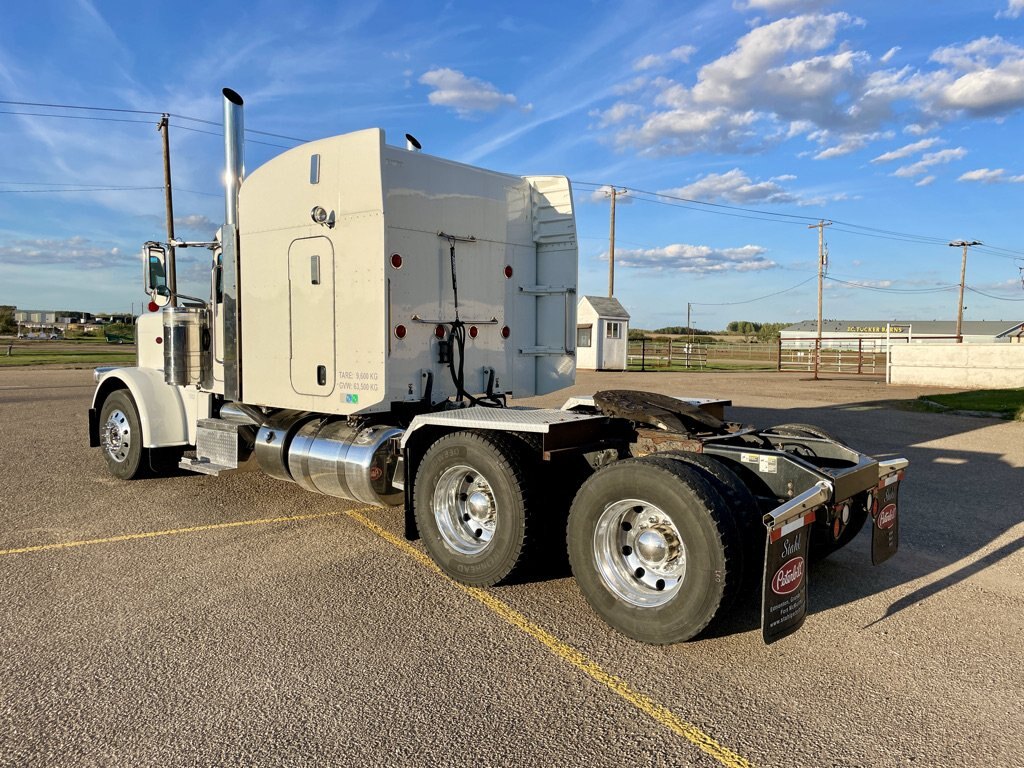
117 435
639 552
465 510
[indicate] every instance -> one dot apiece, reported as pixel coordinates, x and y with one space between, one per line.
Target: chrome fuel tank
338 459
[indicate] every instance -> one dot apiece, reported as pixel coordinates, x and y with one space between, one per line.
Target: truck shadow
962 493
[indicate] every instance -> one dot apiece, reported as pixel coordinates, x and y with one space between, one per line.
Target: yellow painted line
170 532
566 652
562 650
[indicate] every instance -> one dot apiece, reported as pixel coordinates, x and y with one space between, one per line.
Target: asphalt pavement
240 620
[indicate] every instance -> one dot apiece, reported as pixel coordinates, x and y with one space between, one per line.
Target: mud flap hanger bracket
791 514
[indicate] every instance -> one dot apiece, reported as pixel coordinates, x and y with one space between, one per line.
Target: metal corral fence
679 354
865 355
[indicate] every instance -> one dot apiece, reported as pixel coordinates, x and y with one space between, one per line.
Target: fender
162 410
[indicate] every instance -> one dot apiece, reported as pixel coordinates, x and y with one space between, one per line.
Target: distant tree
637 333
769 332
7 324
744 327
681 330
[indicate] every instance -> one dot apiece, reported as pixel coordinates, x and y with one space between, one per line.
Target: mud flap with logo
784 591
885 528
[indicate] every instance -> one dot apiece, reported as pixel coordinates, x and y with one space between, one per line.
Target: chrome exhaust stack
234 170
234 155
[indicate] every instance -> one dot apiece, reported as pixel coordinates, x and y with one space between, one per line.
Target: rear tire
743 508
654 549
471 505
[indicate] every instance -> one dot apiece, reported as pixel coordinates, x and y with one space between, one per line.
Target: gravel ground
318 642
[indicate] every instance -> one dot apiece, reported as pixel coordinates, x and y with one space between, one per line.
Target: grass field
1007 403
23 357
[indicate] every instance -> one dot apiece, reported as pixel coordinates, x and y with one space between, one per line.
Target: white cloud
928 160
78 251
925 181
796 77
906 150
1014 9
464 94
734 186
195 222
654 60
990 176
617 113
984 77
851 142
697 259
778 6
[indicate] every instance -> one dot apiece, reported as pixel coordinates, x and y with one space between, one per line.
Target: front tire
471 504
654 548
121 436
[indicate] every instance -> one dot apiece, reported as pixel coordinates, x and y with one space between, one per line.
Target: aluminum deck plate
516 419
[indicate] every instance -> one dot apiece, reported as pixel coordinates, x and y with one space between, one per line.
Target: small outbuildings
602 334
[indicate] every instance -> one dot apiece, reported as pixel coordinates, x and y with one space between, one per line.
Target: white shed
602 334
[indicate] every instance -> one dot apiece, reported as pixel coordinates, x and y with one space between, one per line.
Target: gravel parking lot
243 621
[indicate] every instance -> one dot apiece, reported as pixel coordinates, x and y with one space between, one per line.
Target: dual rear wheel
654 543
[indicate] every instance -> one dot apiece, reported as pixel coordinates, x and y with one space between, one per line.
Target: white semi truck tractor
371 310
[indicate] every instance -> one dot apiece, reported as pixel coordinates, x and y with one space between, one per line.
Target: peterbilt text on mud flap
333 352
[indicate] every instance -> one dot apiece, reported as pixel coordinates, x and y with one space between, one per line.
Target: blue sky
900 122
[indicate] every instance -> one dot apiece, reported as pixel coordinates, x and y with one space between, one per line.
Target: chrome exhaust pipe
234 156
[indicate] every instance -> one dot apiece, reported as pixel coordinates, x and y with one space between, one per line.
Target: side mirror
154 273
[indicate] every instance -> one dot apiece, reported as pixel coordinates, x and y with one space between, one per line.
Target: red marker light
439 331
508 271
505 332
473 331
153 306
159 340
399 331
396 260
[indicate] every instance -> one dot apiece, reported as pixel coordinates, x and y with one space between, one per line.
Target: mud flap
784 584
885 528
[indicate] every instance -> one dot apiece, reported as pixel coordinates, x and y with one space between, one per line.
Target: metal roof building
974 331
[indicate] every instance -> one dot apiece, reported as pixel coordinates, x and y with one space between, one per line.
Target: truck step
204 466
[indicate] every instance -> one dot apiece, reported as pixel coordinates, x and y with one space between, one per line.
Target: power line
82 189
77 117
137 112
883 289
789 218
989 295
751 301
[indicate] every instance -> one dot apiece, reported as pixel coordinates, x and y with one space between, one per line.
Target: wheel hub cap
465 510
117 435
652 547
479 506
639 553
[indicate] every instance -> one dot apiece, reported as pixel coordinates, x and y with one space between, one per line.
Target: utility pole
689 328
820 226
172 277
963 278
611 242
